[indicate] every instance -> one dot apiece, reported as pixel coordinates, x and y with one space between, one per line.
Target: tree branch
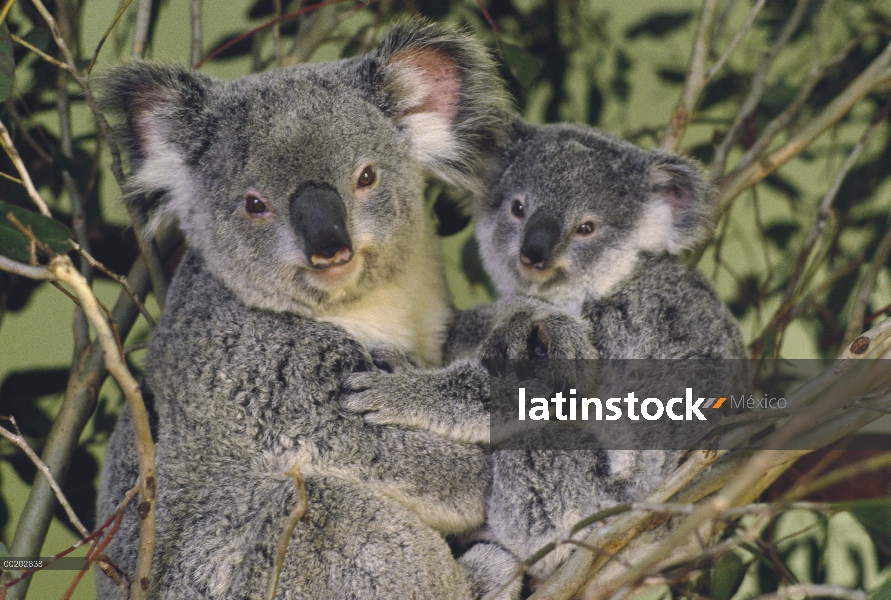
878 72
17 439
864 291
16 159
696 80
757 87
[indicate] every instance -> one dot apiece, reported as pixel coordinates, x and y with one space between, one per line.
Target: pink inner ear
677 198
139 115
440 76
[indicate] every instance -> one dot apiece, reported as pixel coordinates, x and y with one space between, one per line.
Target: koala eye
366 178
517 209
255 205
586 228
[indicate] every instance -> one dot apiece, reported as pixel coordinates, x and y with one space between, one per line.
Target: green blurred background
616 64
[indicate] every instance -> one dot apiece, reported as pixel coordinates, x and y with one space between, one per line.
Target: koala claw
375 397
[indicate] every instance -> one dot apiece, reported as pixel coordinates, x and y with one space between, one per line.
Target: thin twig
813 590
277 32
121 280
737 38
573 573
696 80
23 132
267 25
297 514
107 33
826 204
19 440
114 521
11 178
5 10
757 87
782 120
195 6
877 73
19 268
864 290
141 29
324 22
53 61
80 325
19 164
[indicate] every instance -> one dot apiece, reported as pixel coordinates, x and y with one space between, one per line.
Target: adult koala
299 192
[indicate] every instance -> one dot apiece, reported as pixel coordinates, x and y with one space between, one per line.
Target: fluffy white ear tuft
427 87
160 110
443 88
679 213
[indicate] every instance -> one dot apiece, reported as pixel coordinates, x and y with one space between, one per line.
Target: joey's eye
254 205
586 228
367 177
517 209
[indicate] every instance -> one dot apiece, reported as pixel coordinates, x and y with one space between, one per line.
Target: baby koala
587 228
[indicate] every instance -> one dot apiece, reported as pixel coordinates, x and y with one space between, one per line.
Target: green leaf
659 24
883 592
39 38
874 514
727 576
16 246
7 64
523 65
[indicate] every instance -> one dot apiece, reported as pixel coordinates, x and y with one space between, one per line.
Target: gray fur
634 300
246 364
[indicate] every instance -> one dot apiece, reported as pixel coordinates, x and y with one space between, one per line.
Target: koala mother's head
302 188
569 211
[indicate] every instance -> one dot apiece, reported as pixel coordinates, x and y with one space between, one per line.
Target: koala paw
559 336
378 397
512 339
444 403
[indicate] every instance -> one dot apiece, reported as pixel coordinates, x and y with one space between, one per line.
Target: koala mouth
537 273
341 257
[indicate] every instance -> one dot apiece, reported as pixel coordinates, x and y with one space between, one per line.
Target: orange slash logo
713 404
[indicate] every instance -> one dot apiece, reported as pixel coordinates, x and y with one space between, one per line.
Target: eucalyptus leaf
874 514
7 64
15 245
523 65
727 576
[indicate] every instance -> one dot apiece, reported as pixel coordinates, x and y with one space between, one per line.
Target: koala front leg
451 402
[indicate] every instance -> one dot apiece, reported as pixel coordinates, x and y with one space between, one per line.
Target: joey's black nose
318 217
540 240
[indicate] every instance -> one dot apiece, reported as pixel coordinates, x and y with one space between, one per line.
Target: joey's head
302 188
569 211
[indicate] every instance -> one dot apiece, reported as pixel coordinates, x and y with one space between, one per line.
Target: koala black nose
318 216
540 240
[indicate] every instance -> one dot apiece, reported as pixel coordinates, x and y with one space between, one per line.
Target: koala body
299 192
587 225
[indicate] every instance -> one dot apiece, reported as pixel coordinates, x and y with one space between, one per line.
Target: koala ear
160 109
681 201
442 87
